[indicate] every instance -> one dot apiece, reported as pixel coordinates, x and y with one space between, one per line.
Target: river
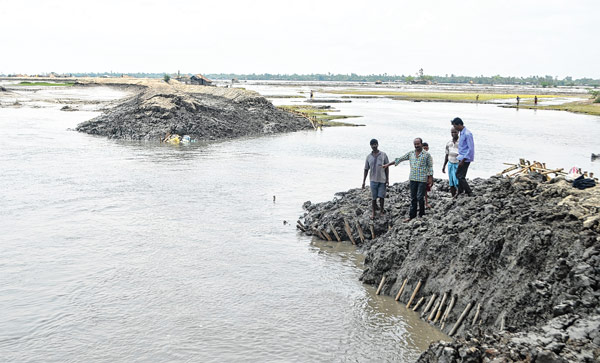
115 251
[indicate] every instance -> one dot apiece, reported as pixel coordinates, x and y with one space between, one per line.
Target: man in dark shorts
379 177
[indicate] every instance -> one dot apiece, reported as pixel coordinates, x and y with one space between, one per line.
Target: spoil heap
521 259
204 113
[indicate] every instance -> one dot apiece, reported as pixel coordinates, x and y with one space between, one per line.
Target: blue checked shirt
420 166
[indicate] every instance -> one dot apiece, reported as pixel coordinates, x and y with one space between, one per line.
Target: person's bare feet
407 220
428 206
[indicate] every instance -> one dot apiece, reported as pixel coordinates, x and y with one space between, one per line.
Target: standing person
518 100
426 148
535 100
421 174
451 160
379 177
466 155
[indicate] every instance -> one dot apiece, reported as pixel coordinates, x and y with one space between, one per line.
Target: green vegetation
440 96
167 78
67 84
587 107
319 115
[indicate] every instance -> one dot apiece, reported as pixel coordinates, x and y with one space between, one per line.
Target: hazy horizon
470 38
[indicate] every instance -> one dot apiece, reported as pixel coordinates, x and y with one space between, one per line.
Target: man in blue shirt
466 155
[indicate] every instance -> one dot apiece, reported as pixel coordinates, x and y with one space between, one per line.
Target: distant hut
199 79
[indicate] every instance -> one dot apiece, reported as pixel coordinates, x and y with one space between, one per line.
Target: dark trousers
461 175
417 194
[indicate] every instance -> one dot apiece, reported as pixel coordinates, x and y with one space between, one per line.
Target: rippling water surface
124 251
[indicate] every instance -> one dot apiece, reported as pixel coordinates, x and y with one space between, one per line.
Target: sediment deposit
204 113
522 254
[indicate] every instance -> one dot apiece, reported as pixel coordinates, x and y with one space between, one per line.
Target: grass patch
319 115
67 84
586 107
442 96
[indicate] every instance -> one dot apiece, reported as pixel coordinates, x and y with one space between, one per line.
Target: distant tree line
543 81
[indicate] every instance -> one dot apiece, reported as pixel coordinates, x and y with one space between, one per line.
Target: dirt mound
204 113
523 255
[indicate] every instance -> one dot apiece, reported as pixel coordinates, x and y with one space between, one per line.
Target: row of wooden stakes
437 313
326 237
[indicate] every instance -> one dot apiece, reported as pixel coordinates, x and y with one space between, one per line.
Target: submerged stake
401 289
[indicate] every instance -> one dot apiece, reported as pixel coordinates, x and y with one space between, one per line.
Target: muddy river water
116 251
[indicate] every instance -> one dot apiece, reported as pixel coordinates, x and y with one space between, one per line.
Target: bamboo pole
435 307
476 314
439 312
337 236
372 231
360 231
300 228
319 234
419 303
447 312
349 231
502 322
301 224
412 297
326 235
401 289
429 304
380 285
460 319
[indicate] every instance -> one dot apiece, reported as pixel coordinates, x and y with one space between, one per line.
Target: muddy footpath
512 273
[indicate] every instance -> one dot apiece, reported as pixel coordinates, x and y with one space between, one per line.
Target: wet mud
520 260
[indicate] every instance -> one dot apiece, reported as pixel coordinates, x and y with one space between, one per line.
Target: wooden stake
476 314
435 307
439 311
502 322
380 285
412 297
447 312
419 303
337 236
360 231
401 289
301 224
326 235
460 319
372 231
429 304
349 231
300 228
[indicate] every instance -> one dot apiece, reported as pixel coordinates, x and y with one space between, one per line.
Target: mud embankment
523 255
204 113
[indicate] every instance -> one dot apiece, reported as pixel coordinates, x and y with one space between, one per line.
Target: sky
509 38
